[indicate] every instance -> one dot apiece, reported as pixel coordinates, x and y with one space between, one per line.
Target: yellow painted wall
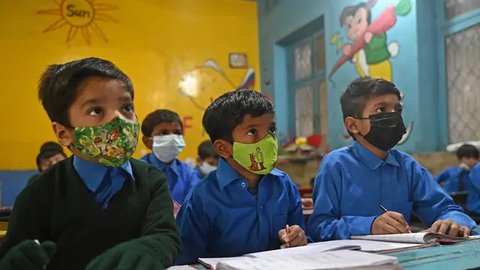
156 42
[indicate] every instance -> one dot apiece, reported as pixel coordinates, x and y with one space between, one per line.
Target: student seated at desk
473 191
99 209
162 133
245 205
50 154
207 160
355 182
455 179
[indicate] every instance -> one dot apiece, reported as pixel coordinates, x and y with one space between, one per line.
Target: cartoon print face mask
259 157
111 144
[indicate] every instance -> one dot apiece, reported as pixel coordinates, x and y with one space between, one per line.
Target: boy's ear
147 142
223 148
64 134
351 125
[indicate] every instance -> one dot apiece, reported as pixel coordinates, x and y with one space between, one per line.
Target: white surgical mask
167 147
206 168
465 166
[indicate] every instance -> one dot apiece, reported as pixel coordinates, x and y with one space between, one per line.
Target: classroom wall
175 51
414 69
157 43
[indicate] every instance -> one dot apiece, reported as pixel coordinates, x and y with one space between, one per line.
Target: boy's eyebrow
90 102
126 98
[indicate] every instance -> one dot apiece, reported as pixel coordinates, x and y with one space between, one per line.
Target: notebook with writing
338 259
312 248
420 237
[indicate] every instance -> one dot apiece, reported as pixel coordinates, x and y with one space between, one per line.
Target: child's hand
368 37
126 255
28 254
292 236
347 49
390 222
307 203
450 227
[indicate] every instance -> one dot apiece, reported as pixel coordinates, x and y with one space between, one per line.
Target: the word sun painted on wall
79 16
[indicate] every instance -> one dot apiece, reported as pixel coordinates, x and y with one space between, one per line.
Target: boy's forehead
249 120
390 99
93 86
167 125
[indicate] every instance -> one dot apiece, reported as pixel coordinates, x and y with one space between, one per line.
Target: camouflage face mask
111 144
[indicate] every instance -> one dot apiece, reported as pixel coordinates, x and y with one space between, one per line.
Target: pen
385 210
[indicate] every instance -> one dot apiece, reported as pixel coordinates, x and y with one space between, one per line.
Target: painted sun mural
80 16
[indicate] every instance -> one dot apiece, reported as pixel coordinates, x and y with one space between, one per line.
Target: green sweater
58 207
377 50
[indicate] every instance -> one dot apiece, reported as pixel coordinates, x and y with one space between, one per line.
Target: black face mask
386 130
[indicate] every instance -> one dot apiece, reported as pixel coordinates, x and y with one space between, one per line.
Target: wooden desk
464 255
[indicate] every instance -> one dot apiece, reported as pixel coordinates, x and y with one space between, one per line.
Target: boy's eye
252 132
95 111
399 108
380 110
177 132
272 130
128 108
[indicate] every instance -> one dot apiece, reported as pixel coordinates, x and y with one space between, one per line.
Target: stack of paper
421 238
326 260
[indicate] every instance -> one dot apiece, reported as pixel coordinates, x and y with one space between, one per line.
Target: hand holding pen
292 236
390 222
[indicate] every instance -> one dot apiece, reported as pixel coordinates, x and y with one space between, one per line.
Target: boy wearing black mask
355 185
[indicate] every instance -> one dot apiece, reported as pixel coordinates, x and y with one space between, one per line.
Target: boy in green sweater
99 209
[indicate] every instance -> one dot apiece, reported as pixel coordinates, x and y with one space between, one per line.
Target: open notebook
313 248
337 259
420 237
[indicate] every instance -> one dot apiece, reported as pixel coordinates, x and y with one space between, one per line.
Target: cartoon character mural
369 52
199 83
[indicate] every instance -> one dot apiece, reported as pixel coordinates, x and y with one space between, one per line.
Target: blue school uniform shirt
180 176
104 182
473 190
352 183
199 172
222 217
449 179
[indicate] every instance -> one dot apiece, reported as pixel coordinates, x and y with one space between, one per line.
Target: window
307 87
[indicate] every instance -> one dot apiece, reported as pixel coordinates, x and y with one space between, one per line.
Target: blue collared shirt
473 190
220 217
181 177
449 179
95 175
352 183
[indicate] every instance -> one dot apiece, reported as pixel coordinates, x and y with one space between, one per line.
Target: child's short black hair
48 150
51 146
351 10
58 84
206 150
157 117
227 111
468 151
355 97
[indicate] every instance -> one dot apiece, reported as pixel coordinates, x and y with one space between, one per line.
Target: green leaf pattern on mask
111 144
